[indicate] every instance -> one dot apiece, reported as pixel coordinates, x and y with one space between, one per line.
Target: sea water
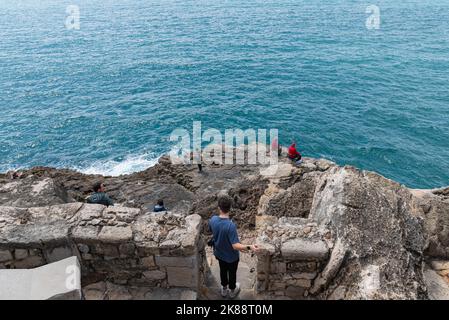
104 96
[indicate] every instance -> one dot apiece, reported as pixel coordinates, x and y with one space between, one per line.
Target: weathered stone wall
292 256
116 244
376 231
377 234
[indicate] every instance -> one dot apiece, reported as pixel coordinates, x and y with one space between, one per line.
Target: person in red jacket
293 154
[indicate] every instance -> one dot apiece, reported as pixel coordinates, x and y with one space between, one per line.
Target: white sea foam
115 168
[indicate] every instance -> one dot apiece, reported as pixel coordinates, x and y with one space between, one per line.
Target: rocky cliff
327 231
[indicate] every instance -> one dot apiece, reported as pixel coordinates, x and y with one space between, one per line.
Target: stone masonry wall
293 255
117 244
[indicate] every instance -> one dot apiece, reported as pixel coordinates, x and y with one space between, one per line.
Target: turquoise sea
106 97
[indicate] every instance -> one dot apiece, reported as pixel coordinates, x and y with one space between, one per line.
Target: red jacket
292 152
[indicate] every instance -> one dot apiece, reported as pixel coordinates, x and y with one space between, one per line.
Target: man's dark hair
225 203
97 186
160 202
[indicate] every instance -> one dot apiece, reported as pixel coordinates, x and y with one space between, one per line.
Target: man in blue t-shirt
226 247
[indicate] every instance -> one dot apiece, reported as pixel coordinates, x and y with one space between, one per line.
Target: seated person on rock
16 175
159 207
293 154
99 196
226 246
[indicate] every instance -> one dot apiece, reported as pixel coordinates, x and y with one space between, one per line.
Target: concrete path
245 275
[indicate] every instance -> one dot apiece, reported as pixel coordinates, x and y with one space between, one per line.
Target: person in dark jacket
99 196
159 207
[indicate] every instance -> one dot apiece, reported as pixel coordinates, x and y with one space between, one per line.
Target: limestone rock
437 287
299 215
182 277
305 250
95 291
115 234
440 265
154 275
20 254
32 192
333 266
5 255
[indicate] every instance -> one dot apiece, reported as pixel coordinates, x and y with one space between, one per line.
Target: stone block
304 250
117 292
127 249
293 267
278 267
95 291
261 285
266 249
182 277
193 224
30 262
147 248
115 234
261 276
276 285
57 212
295 292
188 262
154 275
35 252
107 250
5 255
59 253
90 211
304 275
124 214
85 234
83 248
20 254
303 283
53 233
263 264
148 262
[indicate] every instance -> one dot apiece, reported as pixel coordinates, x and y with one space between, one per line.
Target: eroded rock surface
327 232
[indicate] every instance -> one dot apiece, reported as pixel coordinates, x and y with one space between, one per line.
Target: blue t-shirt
225 235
